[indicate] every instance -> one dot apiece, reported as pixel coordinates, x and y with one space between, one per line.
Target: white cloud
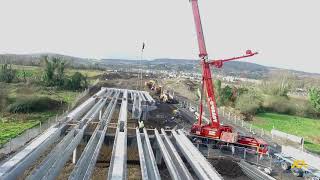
286 33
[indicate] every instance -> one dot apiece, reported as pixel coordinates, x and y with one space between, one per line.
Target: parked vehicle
300 163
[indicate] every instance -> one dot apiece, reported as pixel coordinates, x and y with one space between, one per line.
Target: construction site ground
162 117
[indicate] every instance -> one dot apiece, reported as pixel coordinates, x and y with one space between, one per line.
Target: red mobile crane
213 129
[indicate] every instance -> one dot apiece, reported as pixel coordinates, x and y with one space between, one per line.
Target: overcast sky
285 32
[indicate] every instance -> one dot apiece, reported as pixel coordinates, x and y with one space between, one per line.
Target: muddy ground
102 166
162 117
228 168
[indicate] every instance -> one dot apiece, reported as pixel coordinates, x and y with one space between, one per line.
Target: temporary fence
235 152
15 143
238 121
234 119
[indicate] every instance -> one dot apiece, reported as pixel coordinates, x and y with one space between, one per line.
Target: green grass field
15 124
32 71
16 90
89 73
305 127
12 125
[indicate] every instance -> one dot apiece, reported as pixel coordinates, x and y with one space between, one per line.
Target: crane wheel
285 166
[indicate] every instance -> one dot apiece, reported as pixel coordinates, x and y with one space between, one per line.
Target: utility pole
141 84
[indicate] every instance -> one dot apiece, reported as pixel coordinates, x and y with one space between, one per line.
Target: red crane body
213 129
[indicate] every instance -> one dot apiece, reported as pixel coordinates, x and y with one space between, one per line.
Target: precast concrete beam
84 107
118 163
18 163
199 163
58 165
143 165
41 169
84 160
174 173
101 135
60 160
152 168
15 166
176 159
149 98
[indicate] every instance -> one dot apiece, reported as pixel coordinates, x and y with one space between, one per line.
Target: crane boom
213 129
206 72
202 45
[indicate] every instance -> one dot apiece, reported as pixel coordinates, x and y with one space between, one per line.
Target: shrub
248 104
227 95
279 84
3 99
314 98
7 74
305 109
76 82
289 106
34 104
53 69
279 104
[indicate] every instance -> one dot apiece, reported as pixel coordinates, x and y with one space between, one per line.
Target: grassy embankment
306 127
14 124
299 126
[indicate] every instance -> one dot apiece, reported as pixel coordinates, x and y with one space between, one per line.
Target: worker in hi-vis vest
141 126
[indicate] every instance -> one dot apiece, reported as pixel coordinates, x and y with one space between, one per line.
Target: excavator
150 84
211 128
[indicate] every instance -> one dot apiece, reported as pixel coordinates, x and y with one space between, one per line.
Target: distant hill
120 61
34 59
236 68
231 68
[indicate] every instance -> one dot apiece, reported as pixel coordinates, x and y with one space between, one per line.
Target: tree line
53 74
269 96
